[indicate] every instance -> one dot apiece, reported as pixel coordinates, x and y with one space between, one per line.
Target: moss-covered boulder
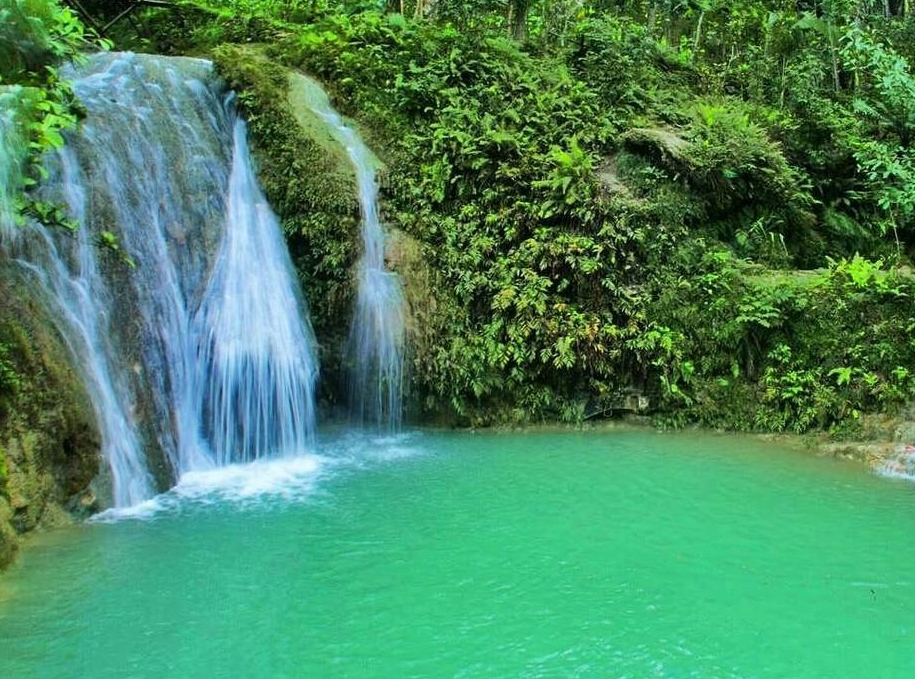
49 441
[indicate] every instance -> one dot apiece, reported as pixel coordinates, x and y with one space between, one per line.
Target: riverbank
884 444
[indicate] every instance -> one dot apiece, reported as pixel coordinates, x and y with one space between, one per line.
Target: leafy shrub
591 215
786 351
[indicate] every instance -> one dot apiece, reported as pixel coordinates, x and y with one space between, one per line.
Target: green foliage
35 35
795 397
593 207
467 119
4 474
884 83
627 69
9 376
734 181
815 350
13 348
53 112
889 171
885 100
745 179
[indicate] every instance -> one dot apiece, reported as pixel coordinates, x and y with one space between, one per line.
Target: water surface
614 554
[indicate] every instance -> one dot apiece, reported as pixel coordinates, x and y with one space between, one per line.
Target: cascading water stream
198 347
73 286
257 368
377 334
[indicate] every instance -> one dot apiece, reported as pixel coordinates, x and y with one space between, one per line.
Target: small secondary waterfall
200 345
377 334
901 464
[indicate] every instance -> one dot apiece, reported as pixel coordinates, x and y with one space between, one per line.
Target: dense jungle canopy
709 205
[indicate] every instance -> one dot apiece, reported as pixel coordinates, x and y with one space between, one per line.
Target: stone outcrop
49 442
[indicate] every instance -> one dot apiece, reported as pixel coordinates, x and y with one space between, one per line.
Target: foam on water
900 466
360 447
289 480
146 509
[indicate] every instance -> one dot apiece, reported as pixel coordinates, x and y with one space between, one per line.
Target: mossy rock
49 440
660 144
8 537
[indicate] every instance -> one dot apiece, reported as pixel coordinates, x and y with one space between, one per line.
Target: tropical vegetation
701 206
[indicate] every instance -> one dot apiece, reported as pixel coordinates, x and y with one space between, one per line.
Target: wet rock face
49 441
8 540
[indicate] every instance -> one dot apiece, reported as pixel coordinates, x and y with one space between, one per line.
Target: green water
591 555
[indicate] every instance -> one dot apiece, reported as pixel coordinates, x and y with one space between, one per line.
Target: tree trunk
668 21
698 38
517 19
836 77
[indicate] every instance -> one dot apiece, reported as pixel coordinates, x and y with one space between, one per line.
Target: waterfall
252 335
188 328
377 333
901 464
